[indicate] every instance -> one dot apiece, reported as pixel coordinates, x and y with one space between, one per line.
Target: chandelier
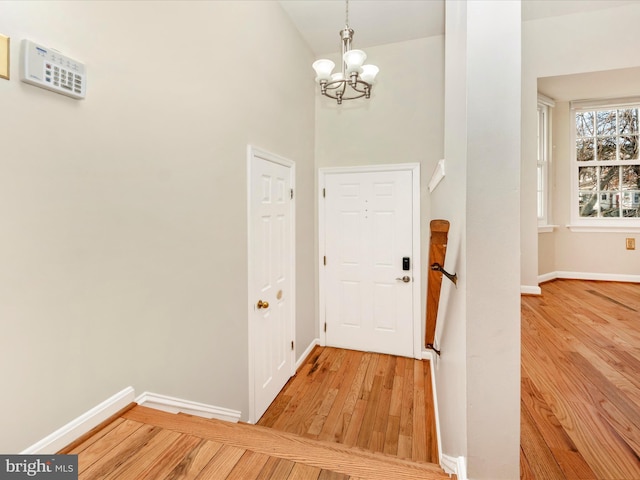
355 80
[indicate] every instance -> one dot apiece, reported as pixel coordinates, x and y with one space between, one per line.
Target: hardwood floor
580 409
581 382
147 444
377 402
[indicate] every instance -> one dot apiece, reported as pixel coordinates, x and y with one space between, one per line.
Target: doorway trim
414 168
255 152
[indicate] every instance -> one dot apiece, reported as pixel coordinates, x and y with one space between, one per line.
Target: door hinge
291 344
324 193
324 259
292 194
325 327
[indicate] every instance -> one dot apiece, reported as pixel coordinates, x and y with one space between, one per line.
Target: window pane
540 206
628 121
631 191
629 147
609 178
631 204
609 204
540 193
584 124
631 177
587 178
606 122
588 201
607 148
584 149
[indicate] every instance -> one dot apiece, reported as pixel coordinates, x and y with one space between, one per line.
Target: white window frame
544 167
591 224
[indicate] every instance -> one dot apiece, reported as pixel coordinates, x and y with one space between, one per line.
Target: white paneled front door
369 271
271 286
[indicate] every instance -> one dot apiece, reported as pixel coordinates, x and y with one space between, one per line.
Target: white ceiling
375 22
378 22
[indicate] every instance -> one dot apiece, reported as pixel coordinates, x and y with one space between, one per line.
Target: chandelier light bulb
354 60
323 69
369 73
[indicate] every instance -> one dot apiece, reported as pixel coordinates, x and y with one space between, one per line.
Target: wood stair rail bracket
437 251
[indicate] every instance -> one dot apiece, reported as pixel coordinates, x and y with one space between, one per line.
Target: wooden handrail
437 250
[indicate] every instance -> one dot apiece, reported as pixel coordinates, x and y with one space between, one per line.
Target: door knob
405 279
262 304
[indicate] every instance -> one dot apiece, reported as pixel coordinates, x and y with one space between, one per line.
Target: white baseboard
178 405
305 354
547 277
530 290
81 425
603 277
454 466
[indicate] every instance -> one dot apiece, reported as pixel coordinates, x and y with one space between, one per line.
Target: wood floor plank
193 463
405 439
165 463
301 471
248 467
354 423
378 436
395 408
371 409
222 463
333 428
419 438
276 468
329 475
94 449
550 427
525 469
346 432
112 457
140 461
392 435
539 457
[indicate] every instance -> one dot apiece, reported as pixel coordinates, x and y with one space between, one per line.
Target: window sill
605 228
547 228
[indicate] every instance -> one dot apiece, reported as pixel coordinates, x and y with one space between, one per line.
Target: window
607 164
544 160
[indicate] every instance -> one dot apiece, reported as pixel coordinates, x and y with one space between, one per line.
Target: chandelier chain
346 13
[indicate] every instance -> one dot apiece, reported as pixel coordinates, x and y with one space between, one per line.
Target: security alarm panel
47 68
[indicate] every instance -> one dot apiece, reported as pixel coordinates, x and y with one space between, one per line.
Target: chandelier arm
330 95
341 91
364 84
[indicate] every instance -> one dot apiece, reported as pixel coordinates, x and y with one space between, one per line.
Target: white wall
561 46
479 371
402 123
123 245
